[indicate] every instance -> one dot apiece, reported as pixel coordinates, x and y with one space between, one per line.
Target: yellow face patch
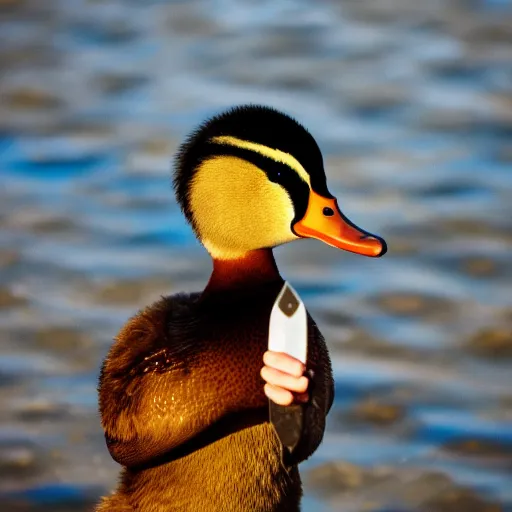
274 154
236 209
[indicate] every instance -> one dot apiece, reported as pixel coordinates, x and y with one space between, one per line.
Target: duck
184 390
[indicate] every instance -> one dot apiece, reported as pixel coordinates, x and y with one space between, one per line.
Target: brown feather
183 407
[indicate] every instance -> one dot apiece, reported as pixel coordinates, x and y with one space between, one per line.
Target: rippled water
411 103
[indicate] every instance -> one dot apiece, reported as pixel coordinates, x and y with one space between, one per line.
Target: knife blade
288 333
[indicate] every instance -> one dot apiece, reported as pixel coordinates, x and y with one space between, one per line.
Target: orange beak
324 221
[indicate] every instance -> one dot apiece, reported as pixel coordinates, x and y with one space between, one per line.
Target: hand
284 377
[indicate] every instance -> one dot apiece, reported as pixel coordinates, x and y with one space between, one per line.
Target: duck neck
252 269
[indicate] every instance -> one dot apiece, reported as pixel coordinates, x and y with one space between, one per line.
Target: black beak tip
384 245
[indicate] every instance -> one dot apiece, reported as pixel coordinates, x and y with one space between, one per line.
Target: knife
288 332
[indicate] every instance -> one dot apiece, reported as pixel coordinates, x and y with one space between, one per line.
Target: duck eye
274 176
328 212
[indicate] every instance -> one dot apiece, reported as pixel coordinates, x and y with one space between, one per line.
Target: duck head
253 178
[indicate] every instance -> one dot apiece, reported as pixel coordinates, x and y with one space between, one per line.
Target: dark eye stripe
276 172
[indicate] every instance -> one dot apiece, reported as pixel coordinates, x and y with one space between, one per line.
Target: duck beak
324 221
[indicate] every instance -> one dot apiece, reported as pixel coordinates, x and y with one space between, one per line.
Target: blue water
411 106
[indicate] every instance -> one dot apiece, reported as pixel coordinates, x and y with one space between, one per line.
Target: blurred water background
411 102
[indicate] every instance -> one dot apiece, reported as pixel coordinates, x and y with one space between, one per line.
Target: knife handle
288 422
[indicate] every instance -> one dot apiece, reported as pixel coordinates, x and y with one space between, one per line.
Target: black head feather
254 123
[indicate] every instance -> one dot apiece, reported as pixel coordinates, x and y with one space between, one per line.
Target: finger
278 395
284 380
284 362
